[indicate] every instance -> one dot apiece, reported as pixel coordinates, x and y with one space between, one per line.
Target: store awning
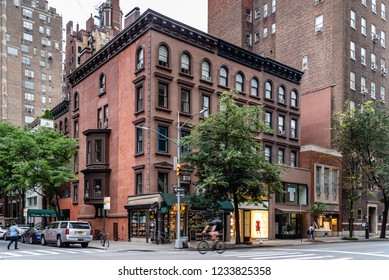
171 199
41 213
200 203
287 209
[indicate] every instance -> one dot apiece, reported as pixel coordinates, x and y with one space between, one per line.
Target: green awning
201 203
41 213
171 199
226 205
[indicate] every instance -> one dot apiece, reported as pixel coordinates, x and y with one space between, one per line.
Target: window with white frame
268 90
281 94
304 63
294 99
383 39
281 156
254 87
249 15
319 23
293 158
352 50
249 40
265 10
223 78
383 11
372 90
363 85
363 56
382 94
383 64
205 104
352 80
373 62
364 2
374 6
352 105
273 28
27 37
353 17
281 125
293 128
185 101
265 32
206 70
239 82
257 13
373 32
363 26
12 51
269 118
268 154
256 37
273 6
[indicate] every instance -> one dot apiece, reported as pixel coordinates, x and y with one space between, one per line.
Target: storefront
288 224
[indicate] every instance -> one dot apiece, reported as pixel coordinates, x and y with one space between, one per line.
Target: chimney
131 17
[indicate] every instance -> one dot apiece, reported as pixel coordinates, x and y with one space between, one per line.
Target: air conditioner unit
319 29
375 37
317 1
281 132
373 67
207 78
139 66
384 71
364 91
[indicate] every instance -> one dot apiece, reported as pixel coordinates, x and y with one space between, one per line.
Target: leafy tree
361 135
47 115
228 158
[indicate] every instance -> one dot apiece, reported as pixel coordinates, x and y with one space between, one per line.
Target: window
205 104
27 13
254 87
239 82
363 56
257 13
185 101
273 28
139 141
102 83
382 94
383 11
76 129
75 194
162 95
163 56
76 100
374 35
268 155
374 6
363 26
139 183
353 19
319 23
265 32
27 25
12 51
281 94
294 99
273 6
269 119
256 37
352 80
293 128
140 59
363 85
206 71
364 2
99 118
265 11
185 63
162 140
25 48
372 90
249 15
373 62
248 40
98 147
281 125
223 76
281 156
304 63
352 50
383 39
293 158
162 182
268 90
139 98
105 116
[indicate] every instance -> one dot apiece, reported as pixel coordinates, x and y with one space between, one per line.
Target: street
323 251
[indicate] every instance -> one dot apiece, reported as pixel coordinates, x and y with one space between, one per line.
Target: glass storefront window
138 224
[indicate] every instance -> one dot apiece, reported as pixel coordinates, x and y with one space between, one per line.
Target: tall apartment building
151 70
340 45
30 59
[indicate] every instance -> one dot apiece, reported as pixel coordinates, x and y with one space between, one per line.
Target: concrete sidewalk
142 246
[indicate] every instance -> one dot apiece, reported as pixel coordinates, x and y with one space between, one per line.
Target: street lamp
178 244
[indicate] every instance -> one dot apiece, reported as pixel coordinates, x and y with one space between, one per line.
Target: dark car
32 235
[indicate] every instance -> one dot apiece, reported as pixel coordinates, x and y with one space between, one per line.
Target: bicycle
204 245
103 236
162 238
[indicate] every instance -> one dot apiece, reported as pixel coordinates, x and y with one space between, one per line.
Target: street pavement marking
315 257
48 252
31 253
291 256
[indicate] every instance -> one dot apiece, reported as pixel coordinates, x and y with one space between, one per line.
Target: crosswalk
45 252
281 255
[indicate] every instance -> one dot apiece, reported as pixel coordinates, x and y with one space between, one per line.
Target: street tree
361 135
228 159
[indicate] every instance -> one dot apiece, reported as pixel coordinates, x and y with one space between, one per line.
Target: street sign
175 189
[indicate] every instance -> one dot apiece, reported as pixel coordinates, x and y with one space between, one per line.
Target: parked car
32 235
64 233
3 230
22 229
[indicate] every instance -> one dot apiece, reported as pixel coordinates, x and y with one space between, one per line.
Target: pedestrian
14 235
310 232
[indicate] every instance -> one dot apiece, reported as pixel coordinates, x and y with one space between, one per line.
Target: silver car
64 233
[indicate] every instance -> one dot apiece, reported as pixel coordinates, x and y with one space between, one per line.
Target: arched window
223 76
281 94
76 100
206 71
254 87
139 59
239 82
185 63
268 90
66 125
294 98
163 56
102 83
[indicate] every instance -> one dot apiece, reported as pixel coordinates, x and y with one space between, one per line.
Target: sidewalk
142 246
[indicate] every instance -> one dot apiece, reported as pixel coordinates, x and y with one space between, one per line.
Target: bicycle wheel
107 242
220 247
158 240
203 247
102 241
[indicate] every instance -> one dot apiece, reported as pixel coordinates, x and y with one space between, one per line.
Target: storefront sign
107 203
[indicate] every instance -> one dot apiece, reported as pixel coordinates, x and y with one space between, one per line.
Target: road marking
47 252
283 256
31 253
315 257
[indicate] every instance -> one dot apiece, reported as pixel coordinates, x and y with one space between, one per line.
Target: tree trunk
237 222
351 217
384 217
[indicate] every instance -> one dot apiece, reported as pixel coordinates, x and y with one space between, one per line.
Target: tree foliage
361 135
36 160
228 158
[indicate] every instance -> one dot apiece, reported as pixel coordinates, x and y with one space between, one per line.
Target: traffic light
178 170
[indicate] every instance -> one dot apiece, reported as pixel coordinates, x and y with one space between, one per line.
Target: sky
190 12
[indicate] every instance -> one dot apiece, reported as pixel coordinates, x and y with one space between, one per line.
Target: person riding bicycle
213 228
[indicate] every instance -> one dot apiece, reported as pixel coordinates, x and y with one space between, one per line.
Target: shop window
138 224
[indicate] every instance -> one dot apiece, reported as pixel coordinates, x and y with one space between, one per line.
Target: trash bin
367 230
184 240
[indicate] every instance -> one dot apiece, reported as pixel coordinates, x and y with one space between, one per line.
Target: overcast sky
190 12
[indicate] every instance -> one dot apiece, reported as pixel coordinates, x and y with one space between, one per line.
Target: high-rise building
30 60
340 45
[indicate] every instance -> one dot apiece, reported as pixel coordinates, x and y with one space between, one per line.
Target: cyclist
213 228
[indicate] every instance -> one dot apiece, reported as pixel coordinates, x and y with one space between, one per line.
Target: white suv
64 233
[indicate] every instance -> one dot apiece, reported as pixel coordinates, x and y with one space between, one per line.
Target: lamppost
178 244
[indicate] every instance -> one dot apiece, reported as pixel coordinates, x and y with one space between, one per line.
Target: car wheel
84 245
31 240
43 240
59 242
